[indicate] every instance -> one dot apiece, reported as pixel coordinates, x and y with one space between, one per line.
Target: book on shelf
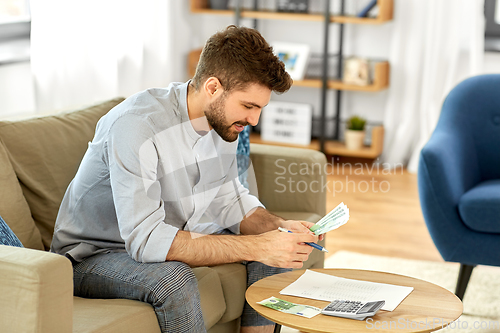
364 12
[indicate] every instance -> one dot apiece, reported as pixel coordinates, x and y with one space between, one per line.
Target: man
161 172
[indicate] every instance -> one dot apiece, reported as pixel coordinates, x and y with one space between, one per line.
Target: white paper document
326 287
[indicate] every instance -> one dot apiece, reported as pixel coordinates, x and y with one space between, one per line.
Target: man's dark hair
239 56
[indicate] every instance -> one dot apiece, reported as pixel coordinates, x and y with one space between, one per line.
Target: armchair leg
463 280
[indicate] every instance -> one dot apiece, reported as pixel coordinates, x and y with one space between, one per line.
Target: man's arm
273 248
260 220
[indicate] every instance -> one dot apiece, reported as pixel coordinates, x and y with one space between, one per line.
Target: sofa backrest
38 159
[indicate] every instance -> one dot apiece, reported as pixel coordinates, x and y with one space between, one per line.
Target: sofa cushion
212 300
299 216
121 315
45 154
289 179
480 207
113 315
13 205
233 278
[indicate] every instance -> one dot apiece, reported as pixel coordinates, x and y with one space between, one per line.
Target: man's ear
212 87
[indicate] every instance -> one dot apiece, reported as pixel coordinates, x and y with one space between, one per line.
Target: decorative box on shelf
294 6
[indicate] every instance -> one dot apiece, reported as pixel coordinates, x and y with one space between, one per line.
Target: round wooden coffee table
427 308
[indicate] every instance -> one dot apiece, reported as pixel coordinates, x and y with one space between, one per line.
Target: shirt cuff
159 243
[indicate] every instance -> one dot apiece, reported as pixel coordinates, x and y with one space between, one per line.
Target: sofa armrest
289 179
37 291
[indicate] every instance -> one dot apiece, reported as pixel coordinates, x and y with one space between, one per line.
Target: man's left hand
299 226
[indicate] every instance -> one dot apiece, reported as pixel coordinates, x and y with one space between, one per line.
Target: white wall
491 62
16 89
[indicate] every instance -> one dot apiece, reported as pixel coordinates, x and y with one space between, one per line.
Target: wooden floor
385 215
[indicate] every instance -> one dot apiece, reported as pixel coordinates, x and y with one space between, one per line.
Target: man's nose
253 118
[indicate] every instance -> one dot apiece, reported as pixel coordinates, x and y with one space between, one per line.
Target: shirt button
198 156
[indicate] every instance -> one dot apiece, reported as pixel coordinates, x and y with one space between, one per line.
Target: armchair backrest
472 111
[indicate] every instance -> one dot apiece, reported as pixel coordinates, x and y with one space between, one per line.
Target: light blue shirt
147 174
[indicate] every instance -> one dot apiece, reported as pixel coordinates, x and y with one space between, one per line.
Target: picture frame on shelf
357 71
295 57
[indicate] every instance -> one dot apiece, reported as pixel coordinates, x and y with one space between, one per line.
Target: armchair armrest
290 179
447 169
37 291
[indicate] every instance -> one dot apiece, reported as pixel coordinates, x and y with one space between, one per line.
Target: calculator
352 309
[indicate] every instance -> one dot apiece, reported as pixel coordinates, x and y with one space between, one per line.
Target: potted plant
355 133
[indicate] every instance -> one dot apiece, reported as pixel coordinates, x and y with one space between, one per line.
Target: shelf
269 15
385 14
263 15
337 148
380 79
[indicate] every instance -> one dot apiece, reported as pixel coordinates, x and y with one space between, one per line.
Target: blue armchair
459 177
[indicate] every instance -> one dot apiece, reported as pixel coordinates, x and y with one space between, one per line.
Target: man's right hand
282 249
273 248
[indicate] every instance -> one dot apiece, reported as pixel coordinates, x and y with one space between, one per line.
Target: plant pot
219 4
354 139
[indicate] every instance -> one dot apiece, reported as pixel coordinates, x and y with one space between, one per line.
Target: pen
314 245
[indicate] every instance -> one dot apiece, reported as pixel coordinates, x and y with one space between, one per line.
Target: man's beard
216 117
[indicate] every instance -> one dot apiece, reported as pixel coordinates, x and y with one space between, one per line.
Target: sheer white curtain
436 44
88 51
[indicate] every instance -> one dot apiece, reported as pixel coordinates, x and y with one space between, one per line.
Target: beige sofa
38 159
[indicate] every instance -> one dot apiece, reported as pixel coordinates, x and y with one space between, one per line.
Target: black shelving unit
324 78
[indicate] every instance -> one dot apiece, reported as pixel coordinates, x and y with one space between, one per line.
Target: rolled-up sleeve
133 167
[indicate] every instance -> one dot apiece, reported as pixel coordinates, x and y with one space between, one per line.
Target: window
15 27
14 11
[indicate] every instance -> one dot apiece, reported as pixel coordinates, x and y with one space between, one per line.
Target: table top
427 308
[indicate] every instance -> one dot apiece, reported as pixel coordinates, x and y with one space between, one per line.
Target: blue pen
316 246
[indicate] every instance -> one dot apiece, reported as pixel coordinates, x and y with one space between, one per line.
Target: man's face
231 112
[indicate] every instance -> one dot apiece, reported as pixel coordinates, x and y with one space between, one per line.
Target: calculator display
352 309
368 307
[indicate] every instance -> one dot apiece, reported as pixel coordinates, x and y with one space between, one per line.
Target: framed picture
295 56
356 71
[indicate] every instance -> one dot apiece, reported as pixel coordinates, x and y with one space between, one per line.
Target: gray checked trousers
170 287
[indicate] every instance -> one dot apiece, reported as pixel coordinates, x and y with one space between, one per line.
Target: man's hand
282 249
299 227
273 248
259 241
